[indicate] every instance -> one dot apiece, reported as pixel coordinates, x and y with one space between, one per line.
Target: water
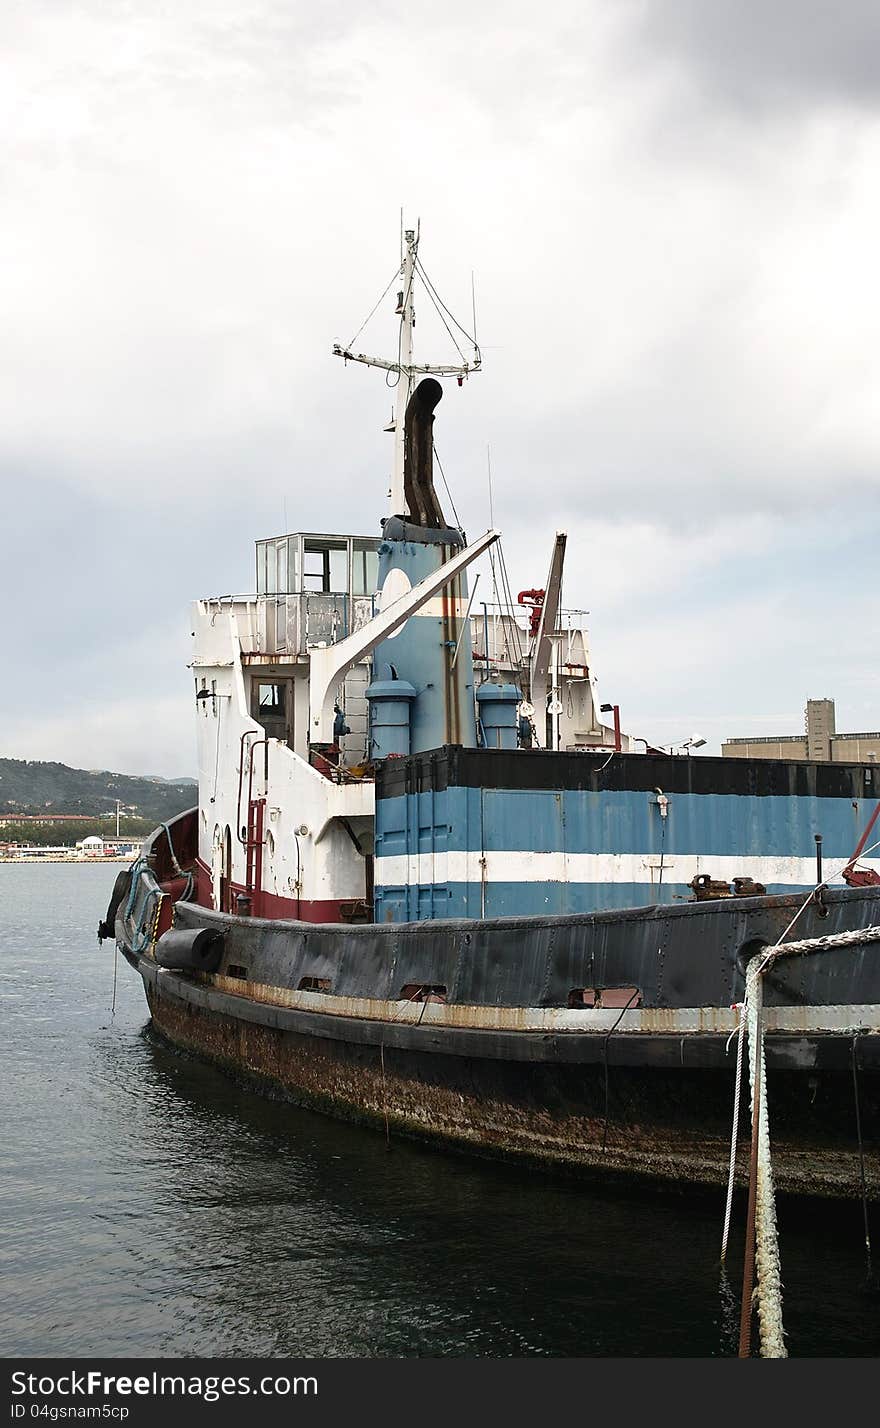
148 1206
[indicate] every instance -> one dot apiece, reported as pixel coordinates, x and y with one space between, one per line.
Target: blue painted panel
519 820
420 652
430 821
580 821
526 899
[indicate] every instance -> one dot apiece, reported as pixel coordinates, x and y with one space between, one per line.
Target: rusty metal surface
662 1125
564 1020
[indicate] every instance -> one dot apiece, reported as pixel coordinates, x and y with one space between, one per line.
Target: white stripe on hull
509 867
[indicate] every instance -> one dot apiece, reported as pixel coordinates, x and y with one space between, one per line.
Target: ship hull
601 1044
649 1107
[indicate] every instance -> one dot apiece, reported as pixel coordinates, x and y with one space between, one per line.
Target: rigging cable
471 337
395 275
443 319
446 487
508 595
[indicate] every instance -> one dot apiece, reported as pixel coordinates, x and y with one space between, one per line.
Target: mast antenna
404 373
491 552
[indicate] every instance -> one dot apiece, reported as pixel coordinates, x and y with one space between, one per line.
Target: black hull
677 956
653 1108
600 1044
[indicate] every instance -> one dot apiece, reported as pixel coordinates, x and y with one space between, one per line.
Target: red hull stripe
271 905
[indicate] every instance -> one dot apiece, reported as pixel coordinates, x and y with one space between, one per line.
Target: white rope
736 1100
769 1282
820 944
768 1292
824 884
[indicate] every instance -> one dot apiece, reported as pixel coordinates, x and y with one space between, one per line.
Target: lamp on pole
615 710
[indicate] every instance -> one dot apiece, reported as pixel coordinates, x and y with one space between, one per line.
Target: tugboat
426 887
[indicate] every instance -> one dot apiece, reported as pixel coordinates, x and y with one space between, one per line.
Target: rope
762 1240
607 1038
140 937
178 870
733 1134
748 1299
820 944
217 748
864 1188
407 1001
141 934
115 963
384 1096
817 889
769 1289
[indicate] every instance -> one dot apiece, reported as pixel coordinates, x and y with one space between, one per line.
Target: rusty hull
670 1126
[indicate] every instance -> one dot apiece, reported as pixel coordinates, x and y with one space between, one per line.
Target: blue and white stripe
470 852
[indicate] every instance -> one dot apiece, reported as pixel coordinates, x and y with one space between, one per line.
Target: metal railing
289 624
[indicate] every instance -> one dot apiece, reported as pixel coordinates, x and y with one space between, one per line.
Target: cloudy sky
672 212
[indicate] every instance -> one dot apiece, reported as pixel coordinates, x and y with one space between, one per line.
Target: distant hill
27 786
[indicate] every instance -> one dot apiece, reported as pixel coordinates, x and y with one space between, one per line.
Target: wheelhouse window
277 566
325 567
364 569
317 565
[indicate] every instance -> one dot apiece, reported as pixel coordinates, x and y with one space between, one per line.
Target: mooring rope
140 936
819 944
748 1300
176 868
115 963
728 1209
762 1237
769 1287
864 1188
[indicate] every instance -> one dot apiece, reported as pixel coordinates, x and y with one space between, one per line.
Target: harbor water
149 1206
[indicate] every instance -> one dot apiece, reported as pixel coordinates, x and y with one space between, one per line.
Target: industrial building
818 742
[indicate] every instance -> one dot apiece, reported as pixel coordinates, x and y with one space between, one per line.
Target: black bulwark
455 767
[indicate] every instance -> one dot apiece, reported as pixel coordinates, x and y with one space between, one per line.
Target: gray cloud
680 338
779 53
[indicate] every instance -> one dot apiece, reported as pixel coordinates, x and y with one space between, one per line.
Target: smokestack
418 459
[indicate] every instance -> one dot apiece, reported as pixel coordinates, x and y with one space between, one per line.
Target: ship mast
406 370
406 307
